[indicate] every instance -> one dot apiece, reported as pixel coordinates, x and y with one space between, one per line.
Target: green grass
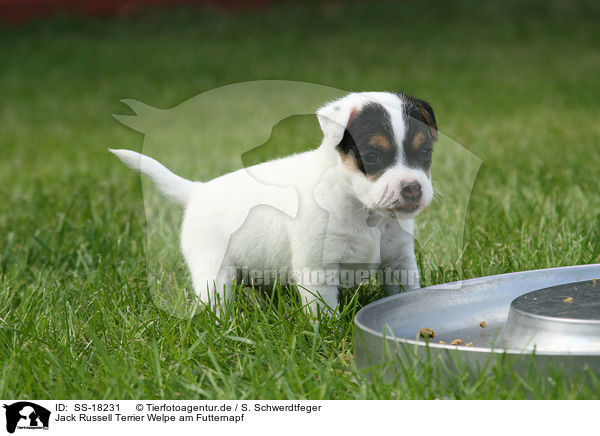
513 82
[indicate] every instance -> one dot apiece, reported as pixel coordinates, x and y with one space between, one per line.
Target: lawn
515 83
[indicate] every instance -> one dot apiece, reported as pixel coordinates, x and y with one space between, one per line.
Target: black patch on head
421 132
369 139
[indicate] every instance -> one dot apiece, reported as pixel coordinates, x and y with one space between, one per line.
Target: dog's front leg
323 296
317 285
400 274
398 260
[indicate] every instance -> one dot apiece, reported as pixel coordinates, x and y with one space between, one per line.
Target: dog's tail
171 185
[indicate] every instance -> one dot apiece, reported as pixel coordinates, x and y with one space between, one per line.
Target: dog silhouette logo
26 415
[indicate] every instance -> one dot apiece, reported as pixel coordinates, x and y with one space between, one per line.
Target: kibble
426 333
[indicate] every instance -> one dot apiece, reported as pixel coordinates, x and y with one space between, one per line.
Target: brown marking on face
418 140
349 161
380 142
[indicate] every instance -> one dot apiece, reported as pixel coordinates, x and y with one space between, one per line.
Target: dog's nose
411 191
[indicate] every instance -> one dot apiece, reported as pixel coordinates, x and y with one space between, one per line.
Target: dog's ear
424 113
336 117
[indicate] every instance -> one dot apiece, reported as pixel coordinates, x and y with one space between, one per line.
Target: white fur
320 215
172 186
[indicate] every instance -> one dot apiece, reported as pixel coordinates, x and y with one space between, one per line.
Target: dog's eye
371 157
425 156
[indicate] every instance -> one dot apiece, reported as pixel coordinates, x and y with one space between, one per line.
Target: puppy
346 208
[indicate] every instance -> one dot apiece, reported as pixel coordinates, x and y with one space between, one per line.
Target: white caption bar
481 418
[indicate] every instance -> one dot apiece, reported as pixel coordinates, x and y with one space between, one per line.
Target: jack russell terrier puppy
345 206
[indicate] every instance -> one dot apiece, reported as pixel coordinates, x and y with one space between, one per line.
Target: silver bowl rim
361 313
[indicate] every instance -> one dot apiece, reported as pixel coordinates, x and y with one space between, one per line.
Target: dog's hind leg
204 253
212 288
204 257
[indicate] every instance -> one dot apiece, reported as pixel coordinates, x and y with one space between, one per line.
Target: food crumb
569 300
594 282
482 324
456 342
443 343
426 333
469 344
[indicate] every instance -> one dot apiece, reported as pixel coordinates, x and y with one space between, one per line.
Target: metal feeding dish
560 318
551 316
